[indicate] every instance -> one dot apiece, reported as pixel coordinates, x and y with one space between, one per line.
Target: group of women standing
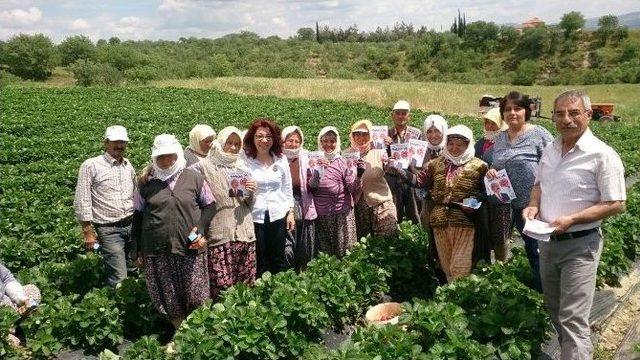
195 239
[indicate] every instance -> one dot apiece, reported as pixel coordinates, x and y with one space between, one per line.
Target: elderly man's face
571 118
400 117
115 148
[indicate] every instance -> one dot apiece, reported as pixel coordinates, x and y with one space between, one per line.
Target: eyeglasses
263 137
574 114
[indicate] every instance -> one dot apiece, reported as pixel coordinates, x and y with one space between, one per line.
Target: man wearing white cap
401 132
104 203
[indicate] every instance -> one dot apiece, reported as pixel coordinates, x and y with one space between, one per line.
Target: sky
172 19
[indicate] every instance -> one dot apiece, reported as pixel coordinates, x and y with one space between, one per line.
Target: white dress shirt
273 191
589 173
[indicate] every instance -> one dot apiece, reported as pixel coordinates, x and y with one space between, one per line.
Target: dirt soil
616 327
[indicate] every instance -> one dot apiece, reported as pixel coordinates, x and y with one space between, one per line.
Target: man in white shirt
580 182
104 202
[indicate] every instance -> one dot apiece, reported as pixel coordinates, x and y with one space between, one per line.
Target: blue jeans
118 252
531 248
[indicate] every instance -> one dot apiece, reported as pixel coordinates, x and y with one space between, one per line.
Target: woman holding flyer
273 208
517 151
232 241
303 237
336 224
173 210
454 180
201 139
375 211
497 210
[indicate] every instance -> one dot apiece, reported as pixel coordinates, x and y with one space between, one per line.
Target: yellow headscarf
358 125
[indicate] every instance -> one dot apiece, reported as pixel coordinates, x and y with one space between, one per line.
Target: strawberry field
45 134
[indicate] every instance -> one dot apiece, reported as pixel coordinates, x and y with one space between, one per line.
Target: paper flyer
400 155
538 230
237 181
378 136
417 149
413 133
351 158
500 187
314 164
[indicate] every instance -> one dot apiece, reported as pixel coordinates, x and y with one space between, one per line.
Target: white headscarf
441 125
165 144
493 115
469 153
292 153
335 151
218 156
197 134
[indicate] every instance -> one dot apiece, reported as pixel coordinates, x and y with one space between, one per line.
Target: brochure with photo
417 149
351 158
400 155
500 187
378 136
413 133
314 164
237 181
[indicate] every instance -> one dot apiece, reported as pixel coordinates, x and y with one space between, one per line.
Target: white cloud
19 17
173 6
278 21
79 24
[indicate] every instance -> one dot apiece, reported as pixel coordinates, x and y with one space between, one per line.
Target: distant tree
571 23
74 48
507 36
526 73
114 40
306 34
533 43
29 56
459 24
317 32
609 29
120 56
482 36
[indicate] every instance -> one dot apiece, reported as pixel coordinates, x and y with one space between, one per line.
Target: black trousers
271 245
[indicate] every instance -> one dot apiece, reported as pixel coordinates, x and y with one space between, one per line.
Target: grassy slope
447 98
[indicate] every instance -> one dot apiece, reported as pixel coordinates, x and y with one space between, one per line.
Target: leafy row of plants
622 241
99 319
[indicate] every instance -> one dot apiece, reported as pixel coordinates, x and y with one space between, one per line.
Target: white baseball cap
401 105
165 144
116 133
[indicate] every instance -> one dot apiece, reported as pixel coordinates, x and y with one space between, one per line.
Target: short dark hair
519 99
249 144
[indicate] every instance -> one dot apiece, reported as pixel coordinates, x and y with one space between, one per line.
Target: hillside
475 53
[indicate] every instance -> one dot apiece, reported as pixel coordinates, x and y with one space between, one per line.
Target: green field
47 132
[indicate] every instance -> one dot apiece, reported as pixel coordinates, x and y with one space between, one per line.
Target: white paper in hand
538 230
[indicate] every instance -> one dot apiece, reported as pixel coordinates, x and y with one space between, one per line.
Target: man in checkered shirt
104 204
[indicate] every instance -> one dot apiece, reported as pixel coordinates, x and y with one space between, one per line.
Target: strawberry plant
145 348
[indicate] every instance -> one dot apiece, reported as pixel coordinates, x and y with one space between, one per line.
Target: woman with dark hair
273 206
303 238
518 151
